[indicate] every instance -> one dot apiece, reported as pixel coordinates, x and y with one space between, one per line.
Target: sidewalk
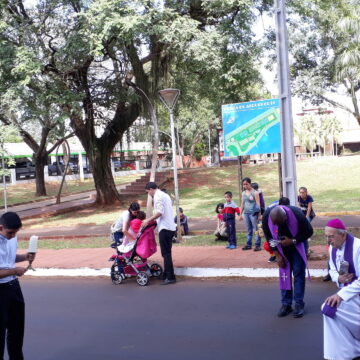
198 261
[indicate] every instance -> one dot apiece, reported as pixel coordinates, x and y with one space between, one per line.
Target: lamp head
169 97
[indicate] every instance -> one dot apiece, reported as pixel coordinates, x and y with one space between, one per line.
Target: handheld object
344 267
32 249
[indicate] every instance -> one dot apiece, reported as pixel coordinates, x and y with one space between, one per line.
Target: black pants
165 239
12 318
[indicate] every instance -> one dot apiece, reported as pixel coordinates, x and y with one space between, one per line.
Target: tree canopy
326 51
70 62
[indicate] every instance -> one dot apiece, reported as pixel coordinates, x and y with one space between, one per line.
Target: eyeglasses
329 236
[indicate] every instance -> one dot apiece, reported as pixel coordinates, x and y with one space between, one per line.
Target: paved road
225 319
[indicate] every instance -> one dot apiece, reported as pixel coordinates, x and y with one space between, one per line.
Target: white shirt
118 225
353 289
163 205
7 256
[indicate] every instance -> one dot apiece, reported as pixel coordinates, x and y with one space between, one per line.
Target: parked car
75 168
24 169
58 169
123 165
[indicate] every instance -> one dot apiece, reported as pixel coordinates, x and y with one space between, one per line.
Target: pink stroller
134 262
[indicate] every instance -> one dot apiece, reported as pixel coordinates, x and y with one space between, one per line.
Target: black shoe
168 281
247 247
298 311
284 310
272 259
257 248
327 278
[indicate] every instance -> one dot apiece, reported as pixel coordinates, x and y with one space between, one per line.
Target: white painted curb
191 272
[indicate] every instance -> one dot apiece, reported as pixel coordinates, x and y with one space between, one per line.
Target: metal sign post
287 137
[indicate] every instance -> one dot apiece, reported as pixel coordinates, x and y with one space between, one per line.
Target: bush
199 151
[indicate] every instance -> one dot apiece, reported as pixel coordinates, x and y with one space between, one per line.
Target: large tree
326 51
87 51
39 123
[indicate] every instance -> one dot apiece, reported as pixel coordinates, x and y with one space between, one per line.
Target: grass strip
198 240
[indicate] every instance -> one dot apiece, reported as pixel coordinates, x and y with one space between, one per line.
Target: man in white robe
342 310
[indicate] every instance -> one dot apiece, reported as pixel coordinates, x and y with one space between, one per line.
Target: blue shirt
7 256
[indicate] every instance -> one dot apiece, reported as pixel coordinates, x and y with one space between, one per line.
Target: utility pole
288 165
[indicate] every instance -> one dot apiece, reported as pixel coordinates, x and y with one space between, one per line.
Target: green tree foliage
82 58
326 51
5 159
318 130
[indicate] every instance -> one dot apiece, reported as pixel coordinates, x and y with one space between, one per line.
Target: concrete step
138 186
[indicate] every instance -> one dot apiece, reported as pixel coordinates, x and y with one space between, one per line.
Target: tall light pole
169 98
287 134
4 182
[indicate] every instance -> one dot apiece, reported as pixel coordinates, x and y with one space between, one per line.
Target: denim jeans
231 230
251 225
298 270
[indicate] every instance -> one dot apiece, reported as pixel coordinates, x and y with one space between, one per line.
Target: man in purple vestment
286 229
342 309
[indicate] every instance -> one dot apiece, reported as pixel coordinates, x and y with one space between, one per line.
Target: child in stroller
131 257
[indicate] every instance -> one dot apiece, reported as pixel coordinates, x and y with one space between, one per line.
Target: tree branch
60 141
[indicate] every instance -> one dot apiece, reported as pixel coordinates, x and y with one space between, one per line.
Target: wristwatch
294 241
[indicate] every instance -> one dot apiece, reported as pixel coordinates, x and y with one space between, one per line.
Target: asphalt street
205 319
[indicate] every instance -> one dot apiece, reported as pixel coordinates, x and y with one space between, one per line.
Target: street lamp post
169 98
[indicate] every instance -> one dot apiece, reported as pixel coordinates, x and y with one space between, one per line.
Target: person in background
305 203
230 209
121 226
250 211
341 311
220 231
183 222
255 186
12 305
131 234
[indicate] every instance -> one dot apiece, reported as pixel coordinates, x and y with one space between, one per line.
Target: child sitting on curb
220 231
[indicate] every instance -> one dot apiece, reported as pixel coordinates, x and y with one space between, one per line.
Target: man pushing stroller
163 214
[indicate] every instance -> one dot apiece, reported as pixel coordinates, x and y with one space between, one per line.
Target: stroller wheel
116 277
142 278
156 270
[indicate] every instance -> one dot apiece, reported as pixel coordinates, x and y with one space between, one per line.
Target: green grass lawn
21 193
332 181
199 240
57 244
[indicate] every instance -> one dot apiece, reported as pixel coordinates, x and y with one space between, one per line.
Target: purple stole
285 282
348 256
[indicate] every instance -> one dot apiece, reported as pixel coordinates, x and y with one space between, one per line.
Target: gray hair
341 231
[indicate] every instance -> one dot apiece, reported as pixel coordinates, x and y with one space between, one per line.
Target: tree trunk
106 191
192 150
40 162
